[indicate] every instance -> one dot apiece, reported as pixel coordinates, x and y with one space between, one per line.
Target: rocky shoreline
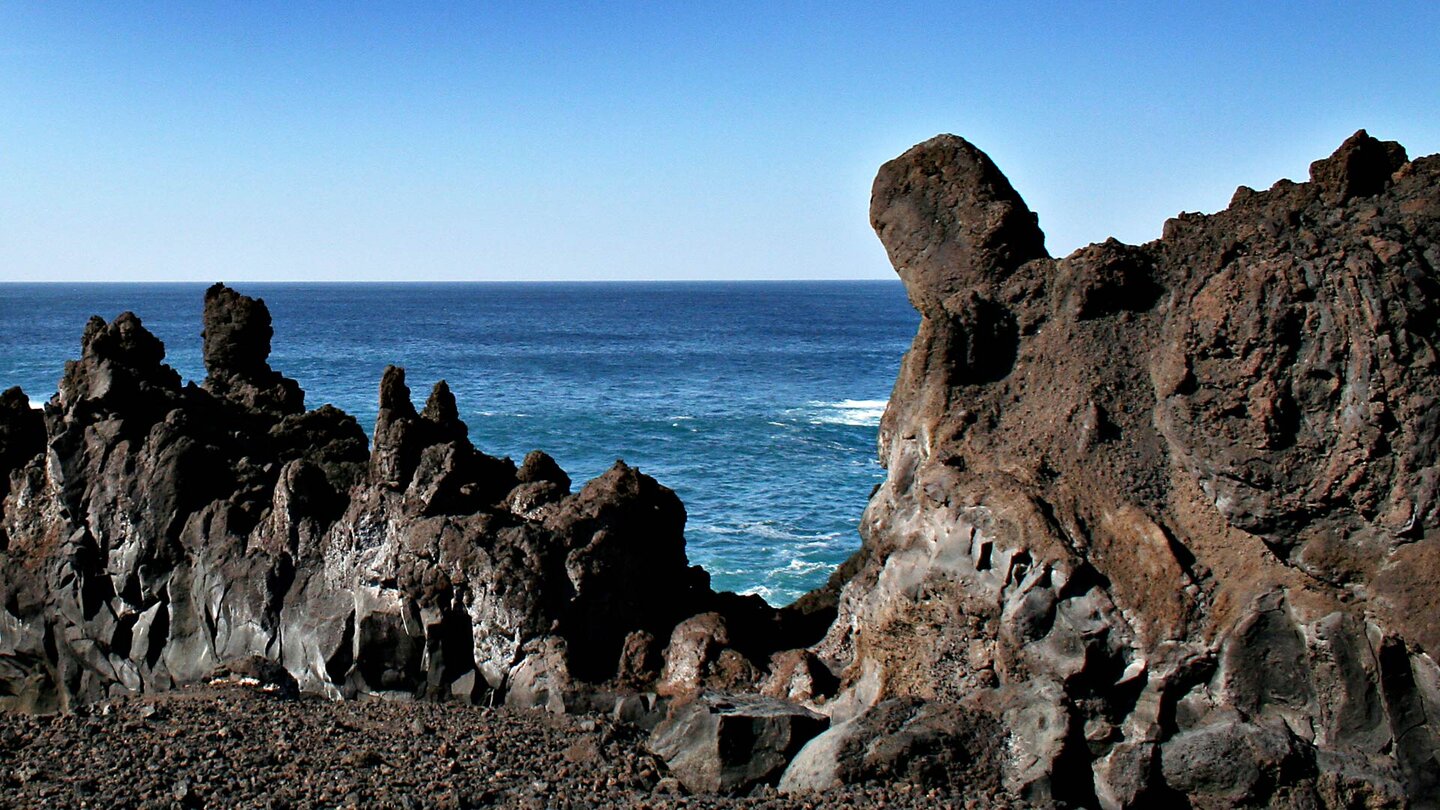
1159 525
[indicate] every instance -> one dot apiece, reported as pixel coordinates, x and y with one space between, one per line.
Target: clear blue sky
393 141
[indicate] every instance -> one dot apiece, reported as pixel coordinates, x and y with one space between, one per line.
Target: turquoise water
757 402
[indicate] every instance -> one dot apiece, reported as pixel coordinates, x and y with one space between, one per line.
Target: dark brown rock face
237 353
22 437
152 534
1168 511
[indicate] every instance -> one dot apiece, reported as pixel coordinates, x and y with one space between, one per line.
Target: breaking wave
854 412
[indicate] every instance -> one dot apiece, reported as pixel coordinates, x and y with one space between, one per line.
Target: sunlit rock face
1169 511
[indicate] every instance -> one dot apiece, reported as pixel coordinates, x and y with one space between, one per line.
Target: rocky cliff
1168 512
1159 525
154 534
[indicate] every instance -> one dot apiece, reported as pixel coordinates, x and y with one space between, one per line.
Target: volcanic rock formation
1169 512
1159 524
153 534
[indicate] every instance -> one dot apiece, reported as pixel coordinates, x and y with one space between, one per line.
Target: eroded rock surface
154 533
1167 511
909 740
723 743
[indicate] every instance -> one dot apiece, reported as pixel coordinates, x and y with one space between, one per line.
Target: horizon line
54 282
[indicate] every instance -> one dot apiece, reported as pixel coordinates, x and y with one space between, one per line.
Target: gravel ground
234 746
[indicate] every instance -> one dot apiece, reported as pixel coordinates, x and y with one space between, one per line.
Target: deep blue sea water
757 402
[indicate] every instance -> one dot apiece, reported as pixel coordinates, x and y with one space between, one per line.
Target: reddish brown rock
798 676
1148 495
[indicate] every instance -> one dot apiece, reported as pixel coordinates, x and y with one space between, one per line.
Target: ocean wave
799 566
852 412
761 591
707 528
767 531
784 580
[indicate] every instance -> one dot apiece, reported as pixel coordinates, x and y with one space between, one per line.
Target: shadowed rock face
237 351
153 533
22 437
1166 504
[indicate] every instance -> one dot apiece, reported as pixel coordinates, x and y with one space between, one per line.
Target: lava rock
721 743
905 739
1139 491
237 351
799 677
161 533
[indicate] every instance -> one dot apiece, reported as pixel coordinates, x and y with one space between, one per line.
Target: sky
389 141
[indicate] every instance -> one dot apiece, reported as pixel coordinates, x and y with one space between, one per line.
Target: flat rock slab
722 743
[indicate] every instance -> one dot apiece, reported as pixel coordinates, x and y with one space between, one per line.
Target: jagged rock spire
950 220
237 334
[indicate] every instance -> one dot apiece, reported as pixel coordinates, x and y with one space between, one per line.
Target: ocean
757 402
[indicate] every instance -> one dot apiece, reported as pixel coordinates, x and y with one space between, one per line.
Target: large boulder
721 743
925 743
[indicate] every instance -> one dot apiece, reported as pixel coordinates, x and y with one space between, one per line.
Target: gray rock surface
720 743
923 743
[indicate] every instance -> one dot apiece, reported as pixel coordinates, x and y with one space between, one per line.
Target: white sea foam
760 591
771 532
854 412
799 566
860 404
768 531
